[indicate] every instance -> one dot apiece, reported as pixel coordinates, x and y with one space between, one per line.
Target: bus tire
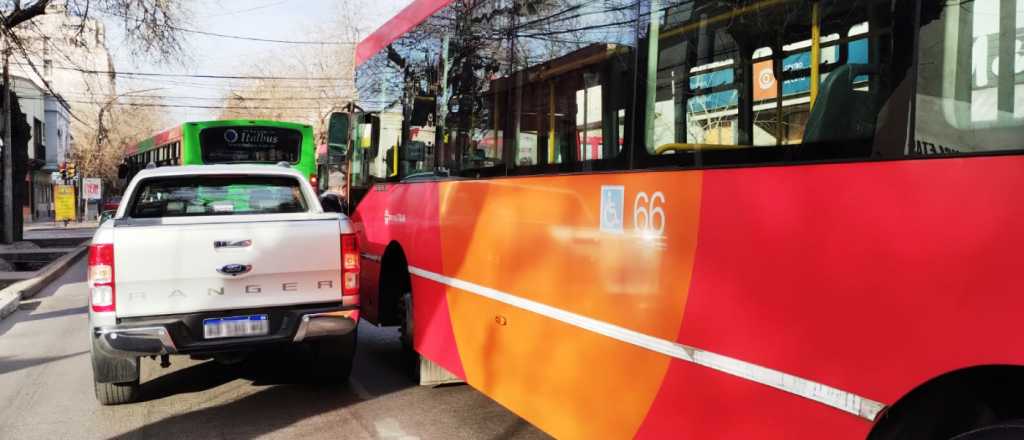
406 330
333 357
1013 429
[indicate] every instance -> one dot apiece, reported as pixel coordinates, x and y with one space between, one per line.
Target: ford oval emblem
235 269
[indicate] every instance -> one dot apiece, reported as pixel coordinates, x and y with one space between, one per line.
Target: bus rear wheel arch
393 285
975 403
396 303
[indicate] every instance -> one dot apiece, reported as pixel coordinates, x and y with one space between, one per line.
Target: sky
294 20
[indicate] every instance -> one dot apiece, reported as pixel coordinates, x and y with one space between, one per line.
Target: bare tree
121 125
304 84
151 26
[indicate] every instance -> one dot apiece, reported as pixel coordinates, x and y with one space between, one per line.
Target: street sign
64 199
92 189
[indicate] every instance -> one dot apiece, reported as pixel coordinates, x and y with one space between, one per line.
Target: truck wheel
332 357
410 358
118 392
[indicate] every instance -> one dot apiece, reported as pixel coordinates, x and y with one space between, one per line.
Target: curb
12 295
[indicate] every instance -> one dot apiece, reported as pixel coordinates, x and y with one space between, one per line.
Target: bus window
574 79
970 77
473 113
723 79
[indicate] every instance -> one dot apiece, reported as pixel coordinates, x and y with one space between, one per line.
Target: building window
39 152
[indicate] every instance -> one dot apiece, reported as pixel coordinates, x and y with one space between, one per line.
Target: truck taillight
101 277
349 265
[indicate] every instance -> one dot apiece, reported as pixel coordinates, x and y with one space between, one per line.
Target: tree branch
20 15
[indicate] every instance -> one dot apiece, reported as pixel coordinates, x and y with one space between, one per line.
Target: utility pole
8 188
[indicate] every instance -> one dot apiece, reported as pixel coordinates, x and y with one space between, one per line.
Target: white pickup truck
218 260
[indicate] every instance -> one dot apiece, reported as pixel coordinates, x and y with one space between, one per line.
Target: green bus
227 141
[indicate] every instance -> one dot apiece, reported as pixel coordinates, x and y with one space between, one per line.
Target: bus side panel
190 153
570 243
414 213
696 402
871 277
307 154
374 236
408 215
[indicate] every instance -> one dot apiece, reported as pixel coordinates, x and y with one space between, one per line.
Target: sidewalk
60 225
43 230
25 284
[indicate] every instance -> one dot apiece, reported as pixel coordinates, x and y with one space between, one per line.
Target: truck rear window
200 196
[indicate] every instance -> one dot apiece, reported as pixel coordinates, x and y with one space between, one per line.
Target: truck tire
332 357
117 393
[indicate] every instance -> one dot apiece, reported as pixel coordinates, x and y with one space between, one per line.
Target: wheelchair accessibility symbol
612 207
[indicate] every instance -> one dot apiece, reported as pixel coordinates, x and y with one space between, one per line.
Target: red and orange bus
805 219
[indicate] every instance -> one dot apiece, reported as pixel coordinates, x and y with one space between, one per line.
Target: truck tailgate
170 269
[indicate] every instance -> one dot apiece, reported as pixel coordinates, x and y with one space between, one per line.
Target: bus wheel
410 358
1013 429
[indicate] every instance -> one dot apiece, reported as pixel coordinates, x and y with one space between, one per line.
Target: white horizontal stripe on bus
836 398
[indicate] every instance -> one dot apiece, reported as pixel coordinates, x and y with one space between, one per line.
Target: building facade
48 118
62 83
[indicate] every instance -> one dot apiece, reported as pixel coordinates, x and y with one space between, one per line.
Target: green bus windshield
251 144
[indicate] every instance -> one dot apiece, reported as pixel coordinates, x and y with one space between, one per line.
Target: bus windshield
252 144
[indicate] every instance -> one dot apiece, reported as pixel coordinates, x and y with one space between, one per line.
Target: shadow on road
292 396
56 314
283 366
256 414
380 365
378 369
8 365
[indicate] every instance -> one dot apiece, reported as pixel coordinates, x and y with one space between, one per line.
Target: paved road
46 390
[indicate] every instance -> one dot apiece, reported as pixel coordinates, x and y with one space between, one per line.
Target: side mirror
339 129
332 202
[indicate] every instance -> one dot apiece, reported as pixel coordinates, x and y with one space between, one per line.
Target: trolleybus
790 218
226 141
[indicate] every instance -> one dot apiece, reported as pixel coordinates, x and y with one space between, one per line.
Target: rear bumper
183 334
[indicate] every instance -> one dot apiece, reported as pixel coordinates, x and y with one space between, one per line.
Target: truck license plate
236 326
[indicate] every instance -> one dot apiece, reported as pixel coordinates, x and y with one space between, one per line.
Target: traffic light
63 168
71 170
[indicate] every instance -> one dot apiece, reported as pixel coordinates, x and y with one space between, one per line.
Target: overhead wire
199 75
234 37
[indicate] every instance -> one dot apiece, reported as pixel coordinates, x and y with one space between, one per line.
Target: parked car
215 260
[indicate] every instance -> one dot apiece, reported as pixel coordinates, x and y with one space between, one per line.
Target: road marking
821 393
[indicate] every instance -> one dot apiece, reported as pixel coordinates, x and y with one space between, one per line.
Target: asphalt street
46 390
